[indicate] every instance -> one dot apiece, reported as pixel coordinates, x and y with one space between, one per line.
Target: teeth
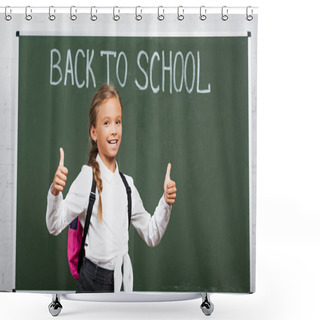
113 141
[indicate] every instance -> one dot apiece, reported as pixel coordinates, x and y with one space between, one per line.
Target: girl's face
108 130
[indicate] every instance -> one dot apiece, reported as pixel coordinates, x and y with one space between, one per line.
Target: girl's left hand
170 190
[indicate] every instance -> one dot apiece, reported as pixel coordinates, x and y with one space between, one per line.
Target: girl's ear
93 133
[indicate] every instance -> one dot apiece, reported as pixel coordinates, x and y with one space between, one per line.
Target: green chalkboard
185 101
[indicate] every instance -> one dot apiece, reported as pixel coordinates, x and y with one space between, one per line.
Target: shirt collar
105 172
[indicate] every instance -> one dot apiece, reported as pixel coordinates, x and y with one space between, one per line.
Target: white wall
288 211
7 170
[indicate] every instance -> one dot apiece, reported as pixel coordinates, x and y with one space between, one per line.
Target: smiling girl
106 247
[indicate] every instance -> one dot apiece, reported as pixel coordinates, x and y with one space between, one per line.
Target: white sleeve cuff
52 198
165 208
164 203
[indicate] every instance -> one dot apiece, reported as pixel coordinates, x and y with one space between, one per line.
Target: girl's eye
118 122
106 123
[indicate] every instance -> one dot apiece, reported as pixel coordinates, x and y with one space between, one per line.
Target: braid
92 162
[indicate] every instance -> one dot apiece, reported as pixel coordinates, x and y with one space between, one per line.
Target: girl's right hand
60 178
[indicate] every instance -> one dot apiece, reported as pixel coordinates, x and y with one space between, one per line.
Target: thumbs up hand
170 190
60 178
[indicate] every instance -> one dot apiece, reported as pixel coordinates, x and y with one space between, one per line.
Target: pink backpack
74 246
77 235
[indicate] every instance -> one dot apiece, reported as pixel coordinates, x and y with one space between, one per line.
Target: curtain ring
93 17
73 12
180 13
116 17
51 15
7 16
224 13
249 15
160 16
28 15
203 13
138 16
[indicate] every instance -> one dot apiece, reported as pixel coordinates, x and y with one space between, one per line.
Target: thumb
61 162
168 172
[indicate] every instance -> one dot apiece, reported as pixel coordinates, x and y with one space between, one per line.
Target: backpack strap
128 189
92 199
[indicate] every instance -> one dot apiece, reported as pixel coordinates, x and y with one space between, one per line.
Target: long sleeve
61 212
150 228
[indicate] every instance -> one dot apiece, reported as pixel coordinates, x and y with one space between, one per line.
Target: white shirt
107 241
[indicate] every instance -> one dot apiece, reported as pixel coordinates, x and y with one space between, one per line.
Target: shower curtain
187 80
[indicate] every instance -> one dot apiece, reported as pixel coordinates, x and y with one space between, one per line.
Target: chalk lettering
165 71
107 54
166 68
155 55
178 54
79 85
208 90
122 83
177 72
189 54
89 69
69 69
55 66
145 86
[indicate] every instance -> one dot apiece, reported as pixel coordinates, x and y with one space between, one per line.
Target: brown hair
104 93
